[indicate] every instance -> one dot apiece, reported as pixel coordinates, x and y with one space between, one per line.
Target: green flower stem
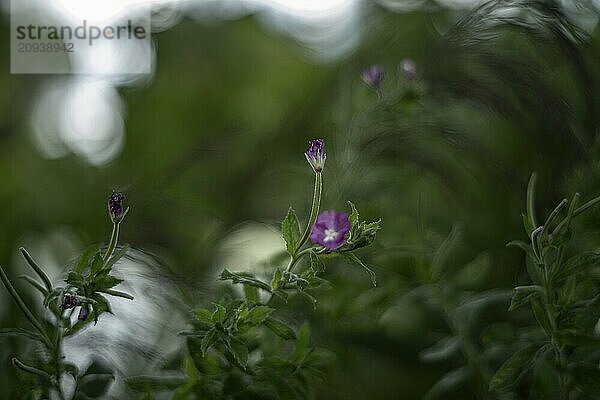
13 292
114 237
314 210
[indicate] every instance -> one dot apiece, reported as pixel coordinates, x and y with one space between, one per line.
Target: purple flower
69 301
84 311
115 207
330 229
315 154
408 68
373 76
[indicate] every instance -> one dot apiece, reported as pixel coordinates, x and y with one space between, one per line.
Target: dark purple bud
408 69
84 311
69 301
330 229
373 76
315 154
115 207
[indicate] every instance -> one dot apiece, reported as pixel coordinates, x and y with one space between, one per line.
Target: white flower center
330 235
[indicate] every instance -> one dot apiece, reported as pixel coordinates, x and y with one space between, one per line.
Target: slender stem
314 210
114 237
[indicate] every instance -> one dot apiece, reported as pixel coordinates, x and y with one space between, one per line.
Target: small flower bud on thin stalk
373 76
408 69
330 229
117 213
315 154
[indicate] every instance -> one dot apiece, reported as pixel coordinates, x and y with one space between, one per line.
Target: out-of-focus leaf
280 328
577 264
22 333
511 371
442 350
208 340
449 381
302 343
354 260
239 351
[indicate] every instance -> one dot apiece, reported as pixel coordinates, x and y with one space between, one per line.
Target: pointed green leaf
523 294
208 341
258 314
290 231
37 269
244 279
513 369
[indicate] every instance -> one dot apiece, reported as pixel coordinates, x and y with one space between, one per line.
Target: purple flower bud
408 69
315 154
84 311
373 76
330 229
115 207
69 301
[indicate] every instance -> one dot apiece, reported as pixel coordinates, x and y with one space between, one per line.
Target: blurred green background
213 156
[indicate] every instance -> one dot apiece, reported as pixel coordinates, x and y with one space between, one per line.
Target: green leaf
541 316
302 348
531 201
97 264
21 332
85 259
447 382
523 294
208 340
587 378
117 293
37 269
244 279
258 314
218 316
116 257
354 220
239 351
442 350
38 286
75 279
104 282
352 259
277 278
280 329
203 316
31 370
315 263
511 371
577 264
290 231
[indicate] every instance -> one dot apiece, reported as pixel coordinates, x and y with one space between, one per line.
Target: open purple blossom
69 301
373 76
115 207
330 229
315 154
